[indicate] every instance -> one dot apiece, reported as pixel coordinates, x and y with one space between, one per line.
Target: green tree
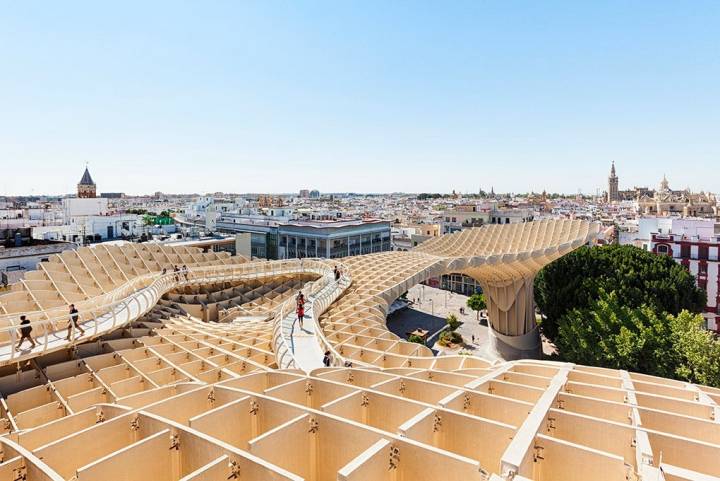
450 337
416 339
697 350
452 322
610 334
477 303
639 277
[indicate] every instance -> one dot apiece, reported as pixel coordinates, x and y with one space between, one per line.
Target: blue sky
368 96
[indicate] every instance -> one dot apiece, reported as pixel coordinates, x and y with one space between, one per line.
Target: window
703 252
685 251
702 269
662 249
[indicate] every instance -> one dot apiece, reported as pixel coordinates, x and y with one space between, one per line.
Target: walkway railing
322 302
112 310
320 295
283 353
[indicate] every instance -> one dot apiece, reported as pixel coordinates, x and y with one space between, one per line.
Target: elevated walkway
303 343
51 334
305 348
307 345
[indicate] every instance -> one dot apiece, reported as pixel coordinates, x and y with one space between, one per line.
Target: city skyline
475 240
359 97
482 189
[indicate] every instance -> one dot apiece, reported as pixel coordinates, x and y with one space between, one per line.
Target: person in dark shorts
25 330
74 317
300 314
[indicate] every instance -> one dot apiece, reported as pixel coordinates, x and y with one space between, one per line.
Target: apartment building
700 254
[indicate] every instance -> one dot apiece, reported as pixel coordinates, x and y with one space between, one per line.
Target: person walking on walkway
300 314
327 359
25 330
74 324
300 299
337 273
185 271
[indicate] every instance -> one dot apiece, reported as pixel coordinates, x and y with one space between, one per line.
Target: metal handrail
152 287
323 303
281 336
224 314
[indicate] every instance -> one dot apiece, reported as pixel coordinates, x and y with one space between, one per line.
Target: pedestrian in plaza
300 314
74 322
25 330
337 273
327 359
473 338
300 299
176 271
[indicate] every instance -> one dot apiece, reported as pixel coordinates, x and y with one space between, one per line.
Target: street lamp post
432 307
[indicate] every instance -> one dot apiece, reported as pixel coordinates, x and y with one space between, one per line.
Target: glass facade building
332 239
326 239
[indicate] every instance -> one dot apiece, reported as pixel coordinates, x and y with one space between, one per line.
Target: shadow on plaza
407 320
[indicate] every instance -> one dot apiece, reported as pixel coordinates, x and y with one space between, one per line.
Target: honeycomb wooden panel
170 397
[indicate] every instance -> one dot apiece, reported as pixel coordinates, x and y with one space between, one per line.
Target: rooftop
86 179
334 224
150 391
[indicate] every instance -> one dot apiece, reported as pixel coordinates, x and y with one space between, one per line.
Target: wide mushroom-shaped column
504 259
508 289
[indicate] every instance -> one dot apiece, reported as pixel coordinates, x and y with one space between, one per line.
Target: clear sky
364 96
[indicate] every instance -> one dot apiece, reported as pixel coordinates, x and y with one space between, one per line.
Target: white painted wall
74 207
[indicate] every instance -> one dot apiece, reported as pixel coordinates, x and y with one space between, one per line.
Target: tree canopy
609 334
477 303
637 277
452 322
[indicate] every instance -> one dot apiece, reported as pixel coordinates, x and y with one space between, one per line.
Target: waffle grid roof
178 399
